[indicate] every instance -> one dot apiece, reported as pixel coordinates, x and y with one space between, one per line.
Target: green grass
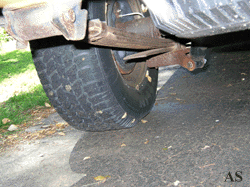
15 62
14 65
16 107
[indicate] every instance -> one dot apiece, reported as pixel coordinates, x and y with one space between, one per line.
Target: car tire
85 86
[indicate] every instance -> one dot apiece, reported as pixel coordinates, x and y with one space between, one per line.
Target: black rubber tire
84 85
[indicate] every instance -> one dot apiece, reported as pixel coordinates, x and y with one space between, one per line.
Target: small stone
5 120
12 127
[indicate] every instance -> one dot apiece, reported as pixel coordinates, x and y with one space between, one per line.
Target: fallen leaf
99 112
45 126
144 121
146 142
178 99
229 85
5 120
124 115
206 165
60 125
123 145
87 157
236 148
156 104
206 147
165 148
12 136
176 183
61 133
149 78
47 105
173 94
101 178
50 132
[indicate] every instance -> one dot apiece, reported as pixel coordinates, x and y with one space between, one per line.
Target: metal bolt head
190 65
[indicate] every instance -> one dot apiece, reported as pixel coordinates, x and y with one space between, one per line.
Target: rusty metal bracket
42 19
103 35
179 57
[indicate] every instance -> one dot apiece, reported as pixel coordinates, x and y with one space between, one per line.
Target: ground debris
101 178
206 166
47 105
206 147
5 120
12 127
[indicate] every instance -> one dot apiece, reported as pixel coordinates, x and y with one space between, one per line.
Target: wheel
92 88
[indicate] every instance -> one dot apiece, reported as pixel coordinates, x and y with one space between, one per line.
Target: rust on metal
38 19
147 53
103 35
179 57
68 19
143 26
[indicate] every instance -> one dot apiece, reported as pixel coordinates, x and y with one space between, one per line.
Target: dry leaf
87 157
146 142
236 148
99 112
123 145
206 147
5 120
124 115
101 178
149 78
178 99
60 125
176 183
50 132
61 133
144 121
173 94
12 136
47 105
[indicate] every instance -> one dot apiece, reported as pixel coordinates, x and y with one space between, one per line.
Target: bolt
190 65
70 16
